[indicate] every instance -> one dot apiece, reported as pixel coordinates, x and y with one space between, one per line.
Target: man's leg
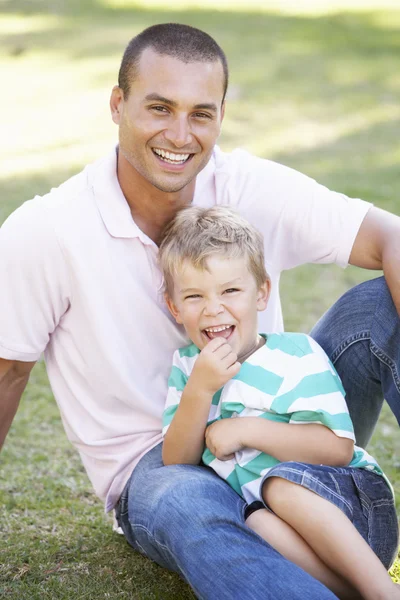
361 335
189 520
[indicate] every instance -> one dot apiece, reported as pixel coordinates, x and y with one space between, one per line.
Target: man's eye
200 115
160 109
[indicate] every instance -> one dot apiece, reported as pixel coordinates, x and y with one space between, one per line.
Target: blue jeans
187 519
361 335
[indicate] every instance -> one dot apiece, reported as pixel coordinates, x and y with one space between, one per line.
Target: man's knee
180 497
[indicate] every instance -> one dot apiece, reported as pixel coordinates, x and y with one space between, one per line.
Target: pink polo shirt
79 281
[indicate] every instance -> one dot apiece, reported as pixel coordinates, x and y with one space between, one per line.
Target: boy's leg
361 335
189 520
290 544
329 532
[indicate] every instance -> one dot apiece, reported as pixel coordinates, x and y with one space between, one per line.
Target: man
80 282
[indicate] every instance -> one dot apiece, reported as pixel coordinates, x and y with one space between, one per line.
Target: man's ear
172 308
116 104
263 295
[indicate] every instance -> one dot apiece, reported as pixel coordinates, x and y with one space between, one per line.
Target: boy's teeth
170 156
216 329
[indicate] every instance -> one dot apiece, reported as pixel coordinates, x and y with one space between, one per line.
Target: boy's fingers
235 368
214 344
229 358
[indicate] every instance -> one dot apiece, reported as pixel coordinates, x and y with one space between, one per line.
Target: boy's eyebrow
235 281
154 97
186 290
232 282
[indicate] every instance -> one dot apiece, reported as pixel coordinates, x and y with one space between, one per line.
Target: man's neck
151 208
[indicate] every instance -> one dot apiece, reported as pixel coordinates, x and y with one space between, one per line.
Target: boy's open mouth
224 331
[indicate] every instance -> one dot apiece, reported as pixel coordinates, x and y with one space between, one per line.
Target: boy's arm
184 439
310 443
316 394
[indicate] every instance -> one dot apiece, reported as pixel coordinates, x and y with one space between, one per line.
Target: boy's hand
223 438
216 365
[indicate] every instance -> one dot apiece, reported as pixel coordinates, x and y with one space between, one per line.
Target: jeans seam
151 536
160 545
337 353
381 356
325 487
335 483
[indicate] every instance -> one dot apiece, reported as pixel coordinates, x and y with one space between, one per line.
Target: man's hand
216 365
224 437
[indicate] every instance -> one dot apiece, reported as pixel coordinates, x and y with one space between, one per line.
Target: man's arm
377 246
14 376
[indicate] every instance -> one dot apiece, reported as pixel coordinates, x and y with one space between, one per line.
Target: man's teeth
217 329
170 156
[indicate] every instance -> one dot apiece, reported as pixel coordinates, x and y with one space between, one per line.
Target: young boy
293 455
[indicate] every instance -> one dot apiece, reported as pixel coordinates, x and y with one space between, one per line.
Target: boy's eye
231 290
192 296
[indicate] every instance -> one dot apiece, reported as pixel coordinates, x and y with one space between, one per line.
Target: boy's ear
172 308
263 295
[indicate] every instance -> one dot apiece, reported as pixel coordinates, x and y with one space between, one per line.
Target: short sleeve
176 383
34 282
301 220
313 393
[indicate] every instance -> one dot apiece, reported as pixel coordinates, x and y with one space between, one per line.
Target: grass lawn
316 88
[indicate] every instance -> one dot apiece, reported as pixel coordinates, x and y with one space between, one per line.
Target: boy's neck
260 342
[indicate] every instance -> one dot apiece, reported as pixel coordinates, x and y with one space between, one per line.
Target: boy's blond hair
197 233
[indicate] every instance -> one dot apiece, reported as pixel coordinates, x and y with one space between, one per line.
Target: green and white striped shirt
289 379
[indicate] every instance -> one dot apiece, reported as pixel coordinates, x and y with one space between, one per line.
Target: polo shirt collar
112 204
110 200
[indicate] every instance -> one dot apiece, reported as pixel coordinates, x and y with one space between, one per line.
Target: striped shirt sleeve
316 394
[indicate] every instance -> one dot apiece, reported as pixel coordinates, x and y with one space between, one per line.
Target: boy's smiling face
220 301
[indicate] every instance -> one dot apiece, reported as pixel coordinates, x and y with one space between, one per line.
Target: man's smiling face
171 120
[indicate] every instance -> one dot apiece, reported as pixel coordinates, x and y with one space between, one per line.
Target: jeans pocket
378 508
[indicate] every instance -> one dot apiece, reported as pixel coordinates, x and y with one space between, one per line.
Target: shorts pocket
377 504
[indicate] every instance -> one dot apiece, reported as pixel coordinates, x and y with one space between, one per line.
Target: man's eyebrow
157 98
206 106
202 106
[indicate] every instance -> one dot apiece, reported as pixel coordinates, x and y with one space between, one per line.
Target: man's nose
178 132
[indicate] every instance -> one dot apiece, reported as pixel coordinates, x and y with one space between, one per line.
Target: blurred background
314 84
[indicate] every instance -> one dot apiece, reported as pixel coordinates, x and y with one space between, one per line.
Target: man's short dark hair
183 42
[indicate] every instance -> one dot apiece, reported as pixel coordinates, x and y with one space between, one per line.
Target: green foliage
318 93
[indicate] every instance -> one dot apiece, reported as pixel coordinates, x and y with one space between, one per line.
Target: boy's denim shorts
363 496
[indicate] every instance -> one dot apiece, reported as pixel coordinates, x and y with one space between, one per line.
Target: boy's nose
213 308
